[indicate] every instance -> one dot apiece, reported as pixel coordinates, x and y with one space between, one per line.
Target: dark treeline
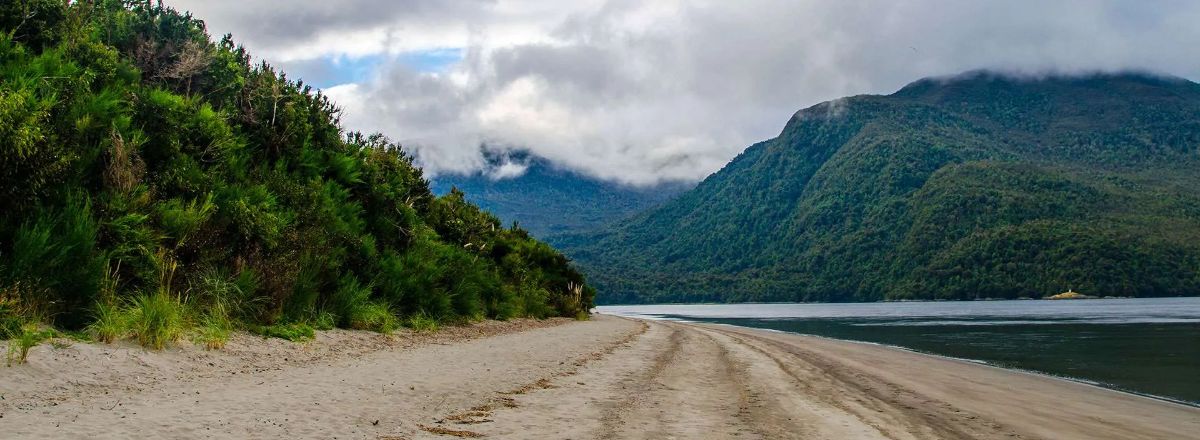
152 180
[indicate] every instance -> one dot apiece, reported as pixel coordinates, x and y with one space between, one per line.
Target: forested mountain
152 181
550 200
981 185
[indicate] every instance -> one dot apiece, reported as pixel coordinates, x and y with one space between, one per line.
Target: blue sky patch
328 72
436 60
332 71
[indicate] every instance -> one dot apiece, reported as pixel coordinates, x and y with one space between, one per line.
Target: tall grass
53 268
29 337
111 322
214 324
572 302
421 323
352 304
230 296
182 219
325 321
11 320
375 317
157 319
214 330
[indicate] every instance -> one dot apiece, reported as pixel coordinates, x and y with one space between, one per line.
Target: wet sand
608 378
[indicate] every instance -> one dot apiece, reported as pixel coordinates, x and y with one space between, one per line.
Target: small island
1070 294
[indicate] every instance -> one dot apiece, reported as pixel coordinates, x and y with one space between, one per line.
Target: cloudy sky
642 91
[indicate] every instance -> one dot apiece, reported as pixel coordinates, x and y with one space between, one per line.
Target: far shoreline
886 301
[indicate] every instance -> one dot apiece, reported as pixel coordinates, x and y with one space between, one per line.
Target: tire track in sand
894 411
689 390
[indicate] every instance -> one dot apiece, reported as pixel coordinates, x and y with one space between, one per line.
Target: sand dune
609 378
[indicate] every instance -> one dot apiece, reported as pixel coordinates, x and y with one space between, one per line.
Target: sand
608 378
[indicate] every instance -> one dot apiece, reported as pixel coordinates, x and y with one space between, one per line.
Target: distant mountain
976 186
549 200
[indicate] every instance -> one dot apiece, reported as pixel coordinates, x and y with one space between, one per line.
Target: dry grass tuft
541 384
474 416
451 432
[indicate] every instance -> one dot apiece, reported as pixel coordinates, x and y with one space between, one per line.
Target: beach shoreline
610 377
1078 380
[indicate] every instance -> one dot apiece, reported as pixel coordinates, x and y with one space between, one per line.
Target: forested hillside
549 200
977 186
156 184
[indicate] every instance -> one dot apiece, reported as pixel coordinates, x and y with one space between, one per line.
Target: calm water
1149 345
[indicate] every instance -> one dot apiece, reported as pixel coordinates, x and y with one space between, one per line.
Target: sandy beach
608 378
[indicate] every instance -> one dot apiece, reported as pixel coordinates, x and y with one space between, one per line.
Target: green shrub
411 282
348 299
117 166
535 301
134 242
227 296
180 220
325 321
421 323
375 317
54 268
157 319
254 213
294 331
352 305
303 302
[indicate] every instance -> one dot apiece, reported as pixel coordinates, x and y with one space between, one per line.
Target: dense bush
153 181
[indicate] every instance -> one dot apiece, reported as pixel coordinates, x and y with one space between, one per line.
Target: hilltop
550 200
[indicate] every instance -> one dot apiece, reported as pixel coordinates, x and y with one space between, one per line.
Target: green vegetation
28 337
980 186
421 323
160 186
292 331
111 323
214 330
156 319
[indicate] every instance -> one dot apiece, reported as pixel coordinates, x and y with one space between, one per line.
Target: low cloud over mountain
644 91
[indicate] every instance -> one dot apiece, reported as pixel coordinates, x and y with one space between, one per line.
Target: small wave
976 322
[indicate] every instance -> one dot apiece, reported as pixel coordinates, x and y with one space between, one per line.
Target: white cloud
642 91
507 170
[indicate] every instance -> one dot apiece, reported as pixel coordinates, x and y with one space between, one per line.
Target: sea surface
1148 346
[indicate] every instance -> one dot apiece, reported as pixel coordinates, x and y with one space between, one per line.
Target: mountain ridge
567 201
817 212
